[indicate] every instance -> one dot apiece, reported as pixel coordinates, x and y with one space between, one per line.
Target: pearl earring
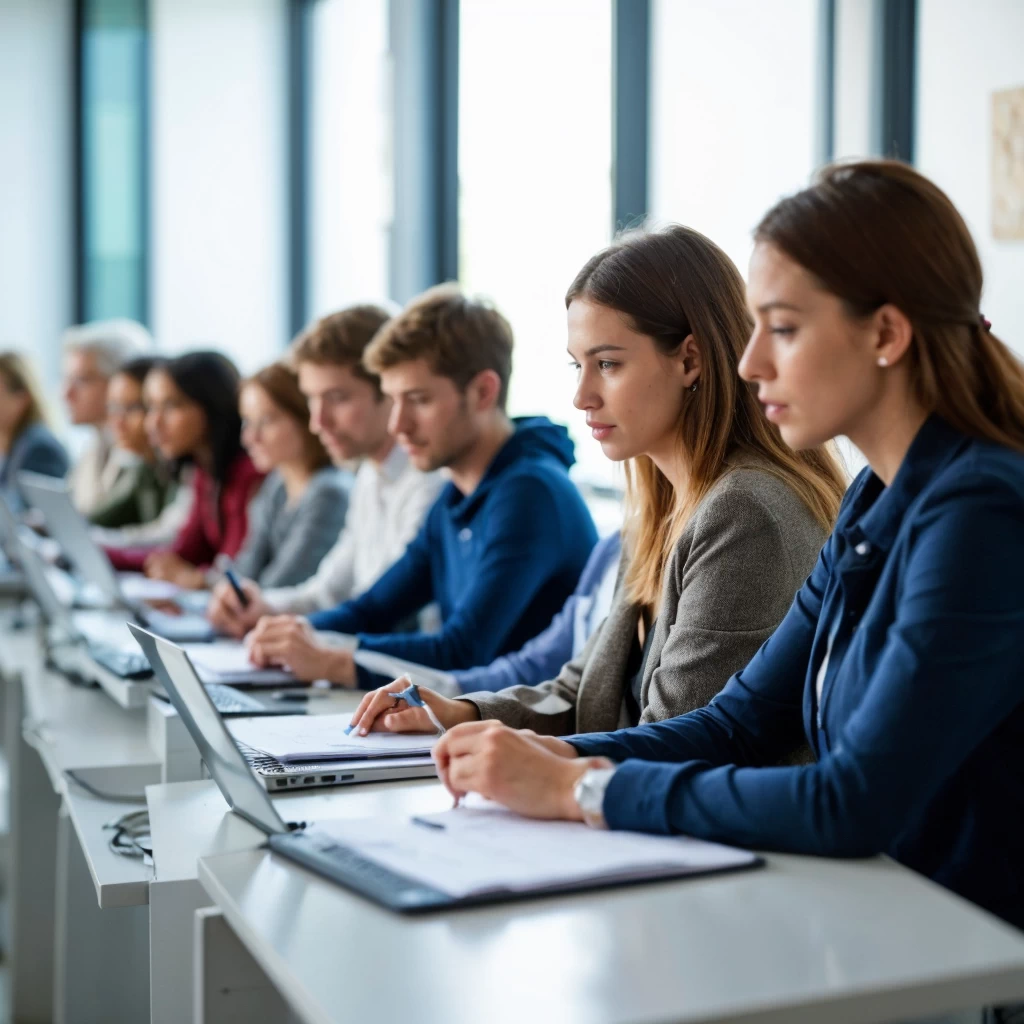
882 361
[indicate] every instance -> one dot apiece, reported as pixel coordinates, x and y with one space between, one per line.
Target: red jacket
217 524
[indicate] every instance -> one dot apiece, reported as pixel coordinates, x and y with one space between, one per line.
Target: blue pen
236 586
411 696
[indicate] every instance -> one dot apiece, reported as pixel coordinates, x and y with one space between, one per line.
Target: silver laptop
53 499
223 753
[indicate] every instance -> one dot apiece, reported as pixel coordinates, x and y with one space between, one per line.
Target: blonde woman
724 521
26 441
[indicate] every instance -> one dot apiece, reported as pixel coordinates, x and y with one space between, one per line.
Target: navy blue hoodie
500 562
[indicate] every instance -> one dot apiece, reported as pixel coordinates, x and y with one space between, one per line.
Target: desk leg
101 973
172 908
33 818
230 987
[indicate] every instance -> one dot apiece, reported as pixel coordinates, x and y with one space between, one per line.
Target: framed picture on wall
1008 164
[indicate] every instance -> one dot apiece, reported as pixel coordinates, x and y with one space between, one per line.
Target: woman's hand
166 565
292 642
514 767
381 712
226 613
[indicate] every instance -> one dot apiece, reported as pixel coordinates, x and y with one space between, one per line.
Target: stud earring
693 386
882 361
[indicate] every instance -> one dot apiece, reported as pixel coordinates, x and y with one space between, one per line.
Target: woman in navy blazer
902 657
26 442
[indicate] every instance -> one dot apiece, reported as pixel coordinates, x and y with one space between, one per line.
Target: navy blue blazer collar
878 510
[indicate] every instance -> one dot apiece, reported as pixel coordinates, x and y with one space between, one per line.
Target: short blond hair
458 337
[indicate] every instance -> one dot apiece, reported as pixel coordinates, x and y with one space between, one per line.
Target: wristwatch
589 791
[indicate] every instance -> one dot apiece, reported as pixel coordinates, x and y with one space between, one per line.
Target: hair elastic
985 322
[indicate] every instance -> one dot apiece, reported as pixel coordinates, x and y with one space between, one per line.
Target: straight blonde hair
19 378
669 284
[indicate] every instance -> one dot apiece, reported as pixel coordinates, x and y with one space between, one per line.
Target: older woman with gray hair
93 353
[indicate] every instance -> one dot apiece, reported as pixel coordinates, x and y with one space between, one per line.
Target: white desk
190 820
802 940
51 726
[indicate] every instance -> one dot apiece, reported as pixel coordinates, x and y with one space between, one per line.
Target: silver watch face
590 793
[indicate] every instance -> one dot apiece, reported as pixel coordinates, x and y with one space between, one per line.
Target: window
535 201
734 117
350 181
112 138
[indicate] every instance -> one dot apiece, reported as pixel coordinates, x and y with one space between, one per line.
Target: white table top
119 881
71 726
802 940
190 820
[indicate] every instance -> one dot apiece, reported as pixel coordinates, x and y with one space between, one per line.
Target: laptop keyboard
123 664
228 701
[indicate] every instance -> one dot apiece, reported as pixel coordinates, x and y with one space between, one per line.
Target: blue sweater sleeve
403 590
538 660
522 545
542 657
948 675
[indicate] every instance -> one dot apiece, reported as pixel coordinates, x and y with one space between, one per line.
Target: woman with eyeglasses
299 511
143 486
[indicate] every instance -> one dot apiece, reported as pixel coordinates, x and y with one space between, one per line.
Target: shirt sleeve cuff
639 795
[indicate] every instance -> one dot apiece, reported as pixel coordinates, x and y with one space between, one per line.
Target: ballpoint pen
411 696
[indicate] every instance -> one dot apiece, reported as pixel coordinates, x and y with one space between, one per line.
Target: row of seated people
782 662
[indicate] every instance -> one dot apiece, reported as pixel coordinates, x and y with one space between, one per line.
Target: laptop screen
217 747
65 522
35 572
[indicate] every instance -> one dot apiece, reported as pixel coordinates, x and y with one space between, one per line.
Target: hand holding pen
402 706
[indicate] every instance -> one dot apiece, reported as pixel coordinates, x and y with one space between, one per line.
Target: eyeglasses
84 380
131 409
258 425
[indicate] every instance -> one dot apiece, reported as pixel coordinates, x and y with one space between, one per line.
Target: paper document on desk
136 587
473 850
226 661
322 738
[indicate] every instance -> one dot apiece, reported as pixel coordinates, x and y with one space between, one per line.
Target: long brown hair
670 284
281 384
876 231
19 379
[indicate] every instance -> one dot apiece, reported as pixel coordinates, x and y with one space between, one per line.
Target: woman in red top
192 416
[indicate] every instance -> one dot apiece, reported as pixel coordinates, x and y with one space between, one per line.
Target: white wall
219 189
965 53
36 232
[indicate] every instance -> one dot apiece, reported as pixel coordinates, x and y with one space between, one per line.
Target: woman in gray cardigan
723 524
300 508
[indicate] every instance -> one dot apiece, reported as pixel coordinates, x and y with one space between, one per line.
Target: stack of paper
301 738
225 661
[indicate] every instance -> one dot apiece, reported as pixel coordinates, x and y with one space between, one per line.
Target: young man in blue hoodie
507 539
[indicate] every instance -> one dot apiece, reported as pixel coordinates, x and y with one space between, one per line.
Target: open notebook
322 738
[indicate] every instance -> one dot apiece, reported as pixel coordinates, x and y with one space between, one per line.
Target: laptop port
309 779
280 783
327 778
346 778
